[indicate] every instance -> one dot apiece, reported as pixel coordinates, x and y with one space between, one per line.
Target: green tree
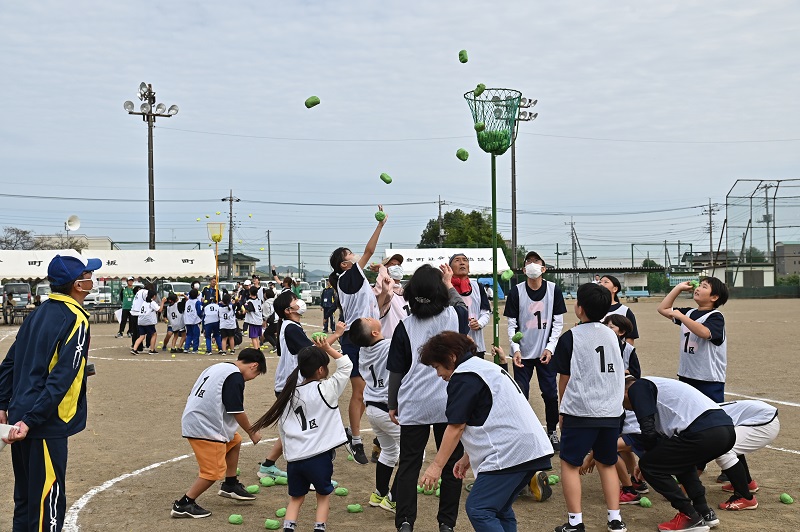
788 280
657 282
463 230
753 255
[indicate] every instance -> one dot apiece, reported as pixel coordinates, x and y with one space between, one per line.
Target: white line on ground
765 399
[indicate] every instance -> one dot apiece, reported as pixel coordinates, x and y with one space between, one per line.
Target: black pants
413 439
328 319
133 328
546 377
679 456
40 468
125 320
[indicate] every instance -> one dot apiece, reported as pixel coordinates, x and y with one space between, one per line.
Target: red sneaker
739 503
628 497
683 523
753 487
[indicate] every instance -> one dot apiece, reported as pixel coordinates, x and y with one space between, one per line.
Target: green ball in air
517 337
479 89
507 275
386 178
283 481
267 481
786 498
380 216
644 502
354 508
235 519
462 56
341 492
311 101
480 126
462 154
272 524
280 512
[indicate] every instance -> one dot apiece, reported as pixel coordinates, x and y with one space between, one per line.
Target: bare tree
61 241
15 238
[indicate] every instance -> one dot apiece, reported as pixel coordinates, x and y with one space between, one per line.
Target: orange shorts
211 455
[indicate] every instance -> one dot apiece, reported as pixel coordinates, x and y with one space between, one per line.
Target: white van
43 291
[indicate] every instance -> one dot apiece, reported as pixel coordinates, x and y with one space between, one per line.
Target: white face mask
301 307
395 272
533 270
81 282
196 286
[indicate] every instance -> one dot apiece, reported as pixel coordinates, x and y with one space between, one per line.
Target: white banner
480 259
157 263
19 264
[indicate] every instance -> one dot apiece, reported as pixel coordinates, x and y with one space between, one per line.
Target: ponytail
275 412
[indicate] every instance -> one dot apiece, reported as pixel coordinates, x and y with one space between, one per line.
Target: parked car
178 288
100 295
21 293
43 291
315 293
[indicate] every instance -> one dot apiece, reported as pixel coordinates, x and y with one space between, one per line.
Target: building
244 266
74 241
787 258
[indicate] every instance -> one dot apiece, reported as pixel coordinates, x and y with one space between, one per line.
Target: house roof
238 257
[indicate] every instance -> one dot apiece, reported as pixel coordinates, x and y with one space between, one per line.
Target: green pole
495 285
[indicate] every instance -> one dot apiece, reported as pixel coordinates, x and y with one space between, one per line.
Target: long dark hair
425 292
309 360
337 257
617 285
281 303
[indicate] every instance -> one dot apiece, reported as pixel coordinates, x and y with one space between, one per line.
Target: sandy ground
136 403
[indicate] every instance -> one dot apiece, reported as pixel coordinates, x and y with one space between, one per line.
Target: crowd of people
416 362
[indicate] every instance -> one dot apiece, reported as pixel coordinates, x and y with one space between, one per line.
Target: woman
417 397
506 450
614 286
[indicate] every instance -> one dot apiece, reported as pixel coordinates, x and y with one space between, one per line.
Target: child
703 345
614 286
148 317
214 409
211 326
227 325
254 318
310 427
623 328
591 388
176 330
373 355
192 318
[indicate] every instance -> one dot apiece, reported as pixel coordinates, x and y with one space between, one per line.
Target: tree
15 238
462 230
753 255
657 282
61 241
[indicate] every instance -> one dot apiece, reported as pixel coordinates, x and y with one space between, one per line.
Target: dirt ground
135 405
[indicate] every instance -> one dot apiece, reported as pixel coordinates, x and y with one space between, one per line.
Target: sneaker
129 335
151 352
445 528
753 487
722 478
554 440
271 471
388 504
192 510
355 449
739 503
566 527
405 527
710 518
683 523
173 350
235 491
629 497
617 526
135 352
641 487
540 487
375 499
118 335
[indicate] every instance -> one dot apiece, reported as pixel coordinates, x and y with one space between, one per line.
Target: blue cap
64 269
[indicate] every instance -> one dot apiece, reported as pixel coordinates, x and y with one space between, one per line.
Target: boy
536 308
703 345
254 318
192 318
374 352
214 409
211 327
591 388
176 328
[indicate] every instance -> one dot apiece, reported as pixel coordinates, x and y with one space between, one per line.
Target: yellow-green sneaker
375 499
388 504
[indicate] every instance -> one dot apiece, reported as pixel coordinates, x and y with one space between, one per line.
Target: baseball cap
64 269
247 282
396 256
130 278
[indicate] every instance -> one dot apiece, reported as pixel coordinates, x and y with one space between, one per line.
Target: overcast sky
639 107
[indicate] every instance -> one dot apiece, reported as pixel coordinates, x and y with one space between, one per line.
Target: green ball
419 488
694 284
386 178
280 512
644 502
319 334
507 275
272 524
350 458
380 216
462 154
517 337
462 56
553 479
354 508
479 89
283 481
438 484
480 126
428 492
253 489
238 471
235 519
438 491
786 498
311 101
267 481
341 492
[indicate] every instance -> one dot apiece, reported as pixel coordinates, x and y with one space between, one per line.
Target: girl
356 300
417 397
211 327
310 427
623 327
614 286
148 317
192 318
227 325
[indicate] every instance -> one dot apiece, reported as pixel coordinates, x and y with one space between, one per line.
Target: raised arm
369 249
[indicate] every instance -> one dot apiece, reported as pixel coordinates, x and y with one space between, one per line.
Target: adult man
43 393
475 297
536 308
210 292
126 297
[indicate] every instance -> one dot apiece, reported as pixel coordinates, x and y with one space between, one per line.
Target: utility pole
298 260
572 235
524 116
230 199
269 250
441 224
710 211
767 219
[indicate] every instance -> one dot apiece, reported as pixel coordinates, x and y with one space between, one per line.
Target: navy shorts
351 350
147 330
227 333
316 470
576 442
713 390
633 441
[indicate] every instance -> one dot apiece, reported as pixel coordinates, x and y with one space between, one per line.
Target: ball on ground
235 519
341 492
272 524
553 479
419 488
786 498
354 508
644 502
280 512
267 481
283 481
253 489
462 56
311 101
462 154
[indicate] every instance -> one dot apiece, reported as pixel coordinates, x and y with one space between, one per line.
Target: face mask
301 307
80 282
395 272
196 286
533 270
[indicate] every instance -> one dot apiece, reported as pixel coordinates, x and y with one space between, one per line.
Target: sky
648 111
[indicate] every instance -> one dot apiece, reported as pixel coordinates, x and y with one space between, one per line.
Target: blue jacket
43 378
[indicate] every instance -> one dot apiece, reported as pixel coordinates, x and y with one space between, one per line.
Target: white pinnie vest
535 321
631 425
398 311
138 301
288 360
310 426
205 417
622 311
596 384
362 304
699 358
190 316
627 350
148 313
211 314
473 302
512 434
255 317
678 405
227 317
175 317
750 413
422 397
372 366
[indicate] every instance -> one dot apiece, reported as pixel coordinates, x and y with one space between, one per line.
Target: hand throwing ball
318 334
380 216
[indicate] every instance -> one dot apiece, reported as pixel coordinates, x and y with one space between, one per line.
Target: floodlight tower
149 110
524 116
